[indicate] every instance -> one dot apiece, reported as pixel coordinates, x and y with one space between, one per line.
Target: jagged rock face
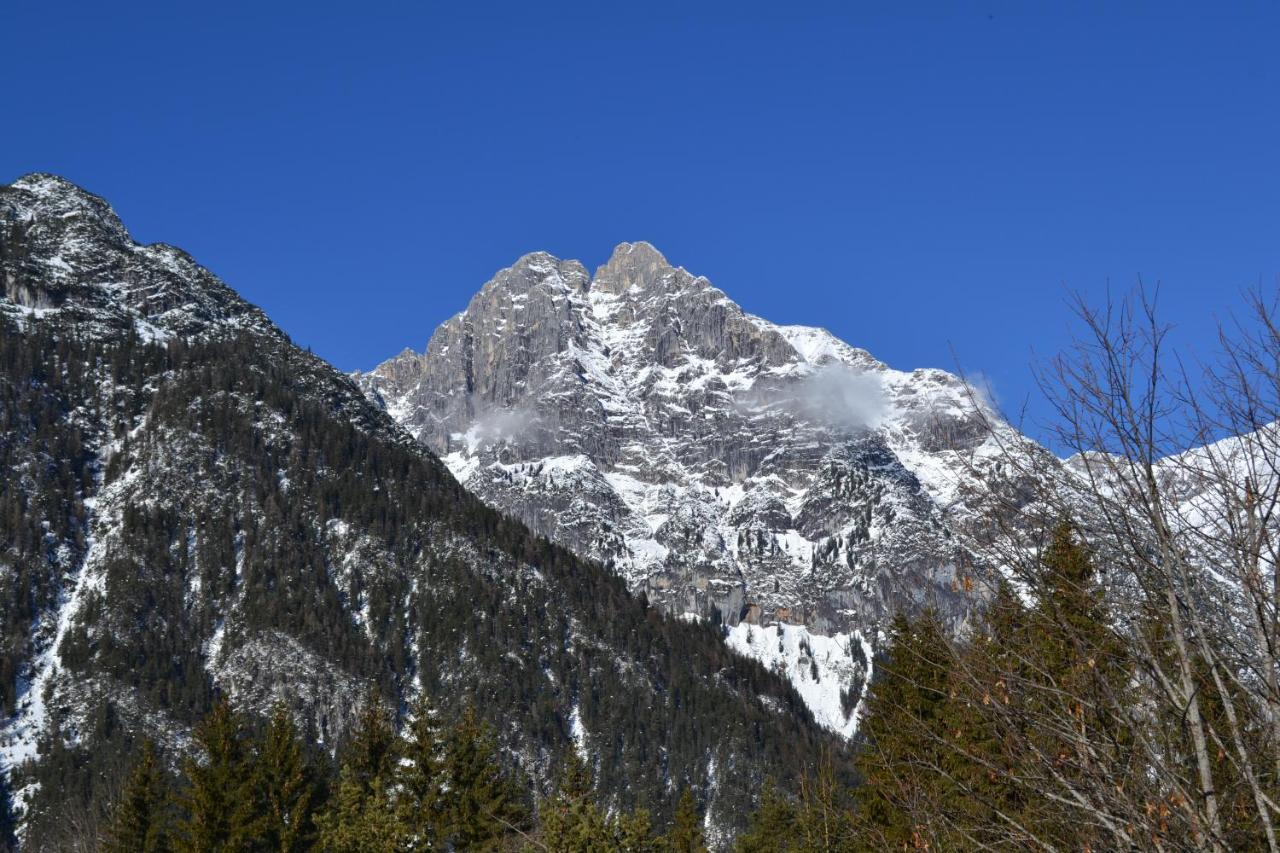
722 464
65 250
191 504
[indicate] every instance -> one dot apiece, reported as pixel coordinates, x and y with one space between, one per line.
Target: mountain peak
45 195
65 250
638 249
720 463
47 183
534 259
637 265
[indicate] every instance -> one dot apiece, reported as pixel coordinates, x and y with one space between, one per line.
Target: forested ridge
231 482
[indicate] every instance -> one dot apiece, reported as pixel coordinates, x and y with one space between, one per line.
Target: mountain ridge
727 467
194 506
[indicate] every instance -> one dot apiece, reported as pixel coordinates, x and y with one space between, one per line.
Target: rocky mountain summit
730 469
192 506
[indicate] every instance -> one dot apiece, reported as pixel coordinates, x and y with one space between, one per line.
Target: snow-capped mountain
189 504
728 468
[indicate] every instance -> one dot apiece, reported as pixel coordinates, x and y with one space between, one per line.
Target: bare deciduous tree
1163 732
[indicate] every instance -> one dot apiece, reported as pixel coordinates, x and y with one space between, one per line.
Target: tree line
964 745
429 786
954 741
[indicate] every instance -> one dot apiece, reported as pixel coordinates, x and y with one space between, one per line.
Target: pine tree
906 800
988 726
419 778
773 825
482 804
221 814
361 815
7 839
824 821
686 834
633 833
820 820
1078 661
372 753
1069 621
961 738
360 818
572 822
142 822
286 786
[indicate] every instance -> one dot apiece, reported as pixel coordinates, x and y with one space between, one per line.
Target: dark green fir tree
483 804
361 816
906 798
686 835
221 813
420 778
287 786
773 824
143 818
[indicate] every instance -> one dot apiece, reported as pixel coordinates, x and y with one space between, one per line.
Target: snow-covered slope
828 671
727 467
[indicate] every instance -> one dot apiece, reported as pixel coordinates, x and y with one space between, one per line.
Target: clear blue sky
916 180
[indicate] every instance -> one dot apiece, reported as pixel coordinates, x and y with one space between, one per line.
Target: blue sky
920 178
